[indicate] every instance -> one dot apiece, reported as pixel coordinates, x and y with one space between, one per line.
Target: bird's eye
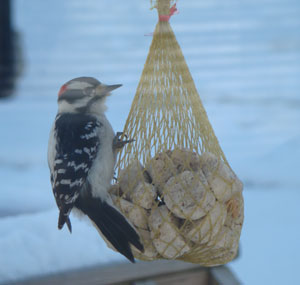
89 91
62 90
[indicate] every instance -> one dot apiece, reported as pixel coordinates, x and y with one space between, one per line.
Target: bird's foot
118 143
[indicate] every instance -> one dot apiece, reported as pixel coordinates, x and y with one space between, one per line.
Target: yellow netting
174 182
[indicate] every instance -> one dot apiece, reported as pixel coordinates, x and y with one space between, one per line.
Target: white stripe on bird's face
79 85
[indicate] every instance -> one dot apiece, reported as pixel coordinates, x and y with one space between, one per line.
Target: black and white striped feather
76 147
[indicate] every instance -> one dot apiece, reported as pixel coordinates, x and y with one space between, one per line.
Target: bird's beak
109 88
103 90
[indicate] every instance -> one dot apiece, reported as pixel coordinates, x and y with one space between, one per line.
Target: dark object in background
9 51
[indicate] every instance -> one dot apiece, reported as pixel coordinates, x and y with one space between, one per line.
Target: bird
82 152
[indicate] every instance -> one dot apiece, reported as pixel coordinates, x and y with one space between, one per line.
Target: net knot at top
166 18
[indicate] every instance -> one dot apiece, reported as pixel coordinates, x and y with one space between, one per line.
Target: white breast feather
51 150
102 171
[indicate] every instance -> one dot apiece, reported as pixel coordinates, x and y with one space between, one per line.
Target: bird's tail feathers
112 224
64 218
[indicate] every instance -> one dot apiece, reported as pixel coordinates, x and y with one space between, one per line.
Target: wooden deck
142 273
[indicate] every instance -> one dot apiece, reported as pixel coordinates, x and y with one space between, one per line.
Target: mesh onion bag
174 182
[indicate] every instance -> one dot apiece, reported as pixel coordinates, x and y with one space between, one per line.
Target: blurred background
244 57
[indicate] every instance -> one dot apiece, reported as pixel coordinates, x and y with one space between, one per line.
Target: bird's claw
118 143
119 134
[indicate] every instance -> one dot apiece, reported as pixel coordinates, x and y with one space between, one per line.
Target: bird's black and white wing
72 149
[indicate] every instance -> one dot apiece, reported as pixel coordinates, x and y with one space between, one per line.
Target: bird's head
84 95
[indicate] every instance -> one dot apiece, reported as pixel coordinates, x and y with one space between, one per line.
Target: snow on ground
269 248
31 245
245 60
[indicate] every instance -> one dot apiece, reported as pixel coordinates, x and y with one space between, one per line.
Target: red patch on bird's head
62 90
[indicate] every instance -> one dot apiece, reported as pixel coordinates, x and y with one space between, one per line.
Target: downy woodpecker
82 154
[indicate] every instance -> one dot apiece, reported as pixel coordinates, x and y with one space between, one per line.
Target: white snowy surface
245 60
31 245
269 248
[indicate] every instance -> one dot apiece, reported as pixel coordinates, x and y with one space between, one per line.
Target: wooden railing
142 273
